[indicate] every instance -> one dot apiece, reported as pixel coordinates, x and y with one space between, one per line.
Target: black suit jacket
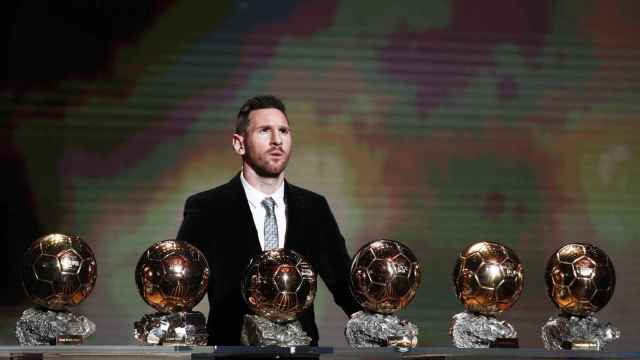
219 222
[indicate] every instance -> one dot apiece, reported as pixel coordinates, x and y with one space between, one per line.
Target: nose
276 138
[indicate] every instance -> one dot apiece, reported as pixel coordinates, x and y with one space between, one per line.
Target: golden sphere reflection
580 279
279 285
488 278
59 270
172 276
385 275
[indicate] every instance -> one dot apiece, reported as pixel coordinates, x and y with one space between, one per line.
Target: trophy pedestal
475 331
366 329
46 327
566 332
179 328
259 331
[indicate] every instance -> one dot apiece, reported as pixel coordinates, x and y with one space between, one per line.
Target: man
258 210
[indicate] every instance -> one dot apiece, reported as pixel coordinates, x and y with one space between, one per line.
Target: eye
285 131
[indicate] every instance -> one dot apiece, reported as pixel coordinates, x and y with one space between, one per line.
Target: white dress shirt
258 211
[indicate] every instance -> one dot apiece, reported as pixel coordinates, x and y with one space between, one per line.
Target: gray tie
270 225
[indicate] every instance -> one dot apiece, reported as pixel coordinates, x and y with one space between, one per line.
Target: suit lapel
247 232
295 206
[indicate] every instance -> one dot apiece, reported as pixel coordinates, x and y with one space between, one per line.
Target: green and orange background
437 124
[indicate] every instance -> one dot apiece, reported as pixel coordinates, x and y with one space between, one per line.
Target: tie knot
268 204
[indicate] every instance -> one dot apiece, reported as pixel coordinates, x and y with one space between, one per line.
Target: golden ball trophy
172 277
58 271
278 285
385 276
488 279
580 281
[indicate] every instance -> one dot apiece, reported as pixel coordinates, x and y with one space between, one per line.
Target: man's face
267 142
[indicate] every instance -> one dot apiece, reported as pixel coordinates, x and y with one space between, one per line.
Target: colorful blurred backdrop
434 123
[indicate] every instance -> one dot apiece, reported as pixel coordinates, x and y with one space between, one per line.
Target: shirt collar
255 196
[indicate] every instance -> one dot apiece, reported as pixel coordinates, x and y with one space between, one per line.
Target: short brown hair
256 103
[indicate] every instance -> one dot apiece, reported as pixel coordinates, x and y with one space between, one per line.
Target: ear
238 144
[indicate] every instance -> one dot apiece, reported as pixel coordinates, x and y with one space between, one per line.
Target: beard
264 166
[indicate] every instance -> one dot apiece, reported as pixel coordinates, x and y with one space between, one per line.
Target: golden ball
279 285
385 276
580 279
59 270
488 278
172 276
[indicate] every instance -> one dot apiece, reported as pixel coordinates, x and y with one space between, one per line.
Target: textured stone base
376 330
46 327
179 328
476 331
258 331
577 333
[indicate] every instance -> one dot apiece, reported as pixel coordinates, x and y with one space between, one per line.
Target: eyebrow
276 126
